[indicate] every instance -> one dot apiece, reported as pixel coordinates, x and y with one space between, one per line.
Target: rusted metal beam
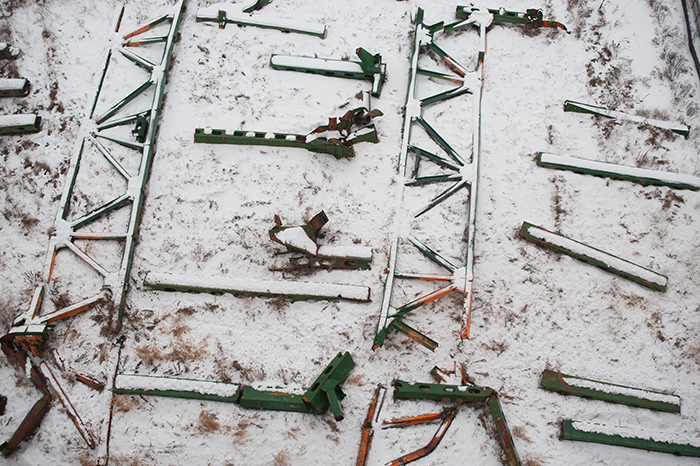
367 425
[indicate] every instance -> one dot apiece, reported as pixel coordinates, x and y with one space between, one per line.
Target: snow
208 208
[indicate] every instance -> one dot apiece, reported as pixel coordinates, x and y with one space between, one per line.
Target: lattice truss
91 245
460 171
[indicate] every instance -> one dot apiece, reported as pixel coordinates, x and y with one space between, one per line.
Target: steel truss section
462 172
67 232
33 327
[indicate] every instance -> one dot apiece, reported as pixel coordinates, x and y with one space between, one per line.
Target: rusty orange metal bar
430 447
367 430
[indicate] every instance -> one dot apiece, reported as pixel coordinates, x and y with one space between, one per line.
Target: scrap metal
295 291
370 67
579 107
16 354
599 433
621 172
462 172
324 393
432 445
302 240
588 388
464 394
594 256
9 52
20 123
336 138
32 328
14 87
243 15
67 232
367 426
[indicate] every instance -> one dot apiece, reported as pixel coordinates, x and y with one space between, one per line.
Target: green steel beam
325 391
336 138
619 172
174 387
296 291
21 123
579 107
438 392
593 256
614 393
272 400
242 15
624 437
369 67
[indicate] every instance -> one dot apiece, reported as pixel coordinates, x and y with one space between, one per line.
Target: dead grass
125 403
208 422
281 458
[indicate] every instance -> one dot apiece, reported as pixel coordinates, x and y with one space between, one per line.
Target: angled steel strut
460 171
302 240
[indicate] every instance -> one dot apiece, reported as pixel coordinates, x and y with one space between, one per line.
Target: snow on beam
620 172
136 384
593 256
297 291
642 398
578 107
626 437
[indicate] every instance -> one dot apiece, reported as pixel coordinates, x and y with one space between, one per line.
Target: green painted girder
325 391
439 392
579 107
272 400
600 433
353 127
260 138
531 18
176 387
369 67
594 256
505 438
21 123
588 388
619 172
242 15
247 286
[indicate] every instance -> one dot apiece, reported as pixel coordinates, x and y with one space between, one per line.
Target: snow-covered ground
208 209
